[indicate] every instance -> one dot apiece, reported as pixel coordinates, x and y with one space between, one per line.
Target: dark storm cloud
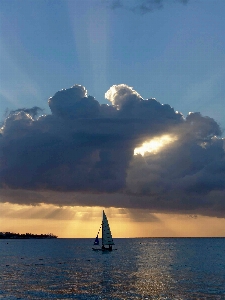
141 6
83 145
82 154
185 175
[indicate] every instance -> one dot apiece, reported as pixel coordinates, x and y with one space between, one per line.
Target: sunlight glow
67 222
155 145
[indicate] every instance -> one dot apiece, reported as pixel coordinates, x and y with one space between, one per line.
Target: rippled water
153 268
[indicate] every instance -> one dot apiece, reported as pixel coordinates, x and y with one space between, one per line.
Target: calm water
163 268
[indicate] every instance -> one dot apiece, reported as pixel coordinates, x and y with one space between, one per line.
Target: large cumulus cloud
88 147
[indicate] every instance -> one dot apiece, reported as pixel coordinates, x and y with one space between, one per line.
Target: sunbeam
155 145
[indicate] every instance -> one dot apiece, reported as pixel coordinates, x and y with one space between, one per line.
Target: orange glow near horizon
84 222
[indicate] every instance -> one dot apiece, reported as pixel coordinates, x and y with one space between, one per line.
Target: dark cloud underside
86 147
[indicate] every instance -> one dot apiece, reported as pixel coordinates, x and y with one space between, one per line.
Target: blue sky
79 157
175 54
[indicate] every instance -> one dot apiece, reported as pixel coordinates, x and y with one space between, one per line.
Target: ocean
140 268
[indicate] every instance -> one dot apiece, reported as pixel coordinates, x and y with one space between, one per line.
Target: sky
115 105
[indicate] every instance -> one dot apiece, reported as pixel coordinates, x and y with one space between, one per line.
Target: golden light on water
155 145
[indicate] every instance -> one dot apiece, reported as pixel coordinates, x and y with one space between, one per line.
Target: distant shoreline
11 235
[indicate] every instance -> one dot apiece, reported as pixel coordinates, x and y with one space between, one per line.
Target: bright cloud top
84 153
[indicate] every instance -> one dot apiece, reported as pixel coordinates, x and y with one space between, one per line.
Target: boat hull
103 250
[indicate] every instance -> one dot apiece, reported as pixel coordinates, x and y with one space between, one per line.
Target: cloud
122 95
141 6
33 112
83 154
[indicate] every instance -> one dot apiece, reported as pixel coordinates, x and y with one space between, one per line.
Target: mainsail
106 236
106 233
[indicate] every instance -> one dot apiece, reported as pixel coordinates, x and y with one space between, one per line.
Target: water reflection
139 269
114 273
153 275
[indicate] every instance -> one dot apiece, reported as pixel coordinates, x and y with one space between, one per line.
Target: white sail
106 233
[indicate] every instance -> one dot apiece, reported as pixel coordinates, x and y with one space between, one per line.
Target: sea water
142 268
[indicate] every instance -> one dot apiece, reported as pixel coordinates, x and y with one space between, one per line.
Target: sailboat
107 239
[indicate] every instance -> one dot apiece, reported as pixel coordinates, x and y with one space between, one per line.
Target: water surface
148 268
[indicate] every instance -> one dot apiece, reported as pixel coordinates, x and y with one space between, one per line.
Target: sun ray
155 145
